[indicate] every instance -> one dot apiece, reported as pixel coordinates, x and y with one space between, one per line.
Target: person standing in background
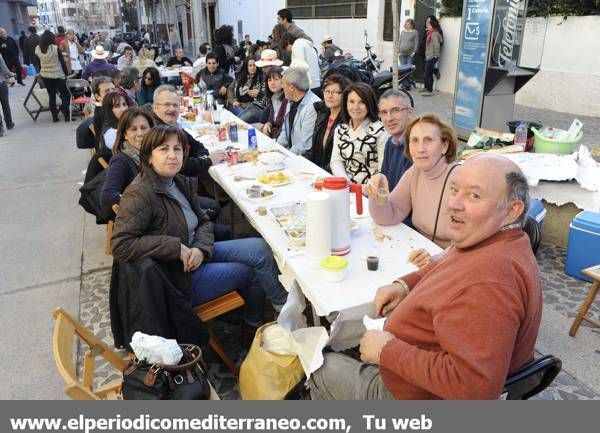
10 52
53 70
30 43
71 50
5 74
408 46
22 40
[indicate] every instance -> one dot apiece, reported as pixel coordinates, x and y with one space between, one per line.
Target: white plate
209 140
272 159
244 195
289 175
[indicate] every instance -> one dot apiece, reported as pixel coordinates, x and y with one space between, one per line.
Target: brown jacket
151 224
64 48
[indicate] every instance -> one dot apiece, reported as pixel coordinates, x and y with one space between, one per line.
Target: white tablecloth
352 297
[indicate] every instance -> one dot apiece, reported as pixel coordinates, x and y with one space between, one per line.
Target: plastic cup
382 196
372 263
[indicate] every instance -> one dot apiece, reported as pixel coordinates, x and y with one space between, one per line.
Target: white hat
269 58
99 52
326 38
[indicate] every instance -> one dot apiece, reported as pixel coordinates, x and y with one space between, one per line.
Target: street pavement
53 255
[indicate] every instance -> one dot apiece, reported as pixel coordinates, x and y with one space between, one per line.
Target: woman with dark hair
329 116
53 70
113 106
272 117
247 88
359 142
223 47
432 44
149 83
125 164
160 218
285 56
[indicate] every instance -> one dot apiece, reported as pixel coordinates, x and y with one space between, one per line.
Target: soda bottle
521 136
252 141
196 94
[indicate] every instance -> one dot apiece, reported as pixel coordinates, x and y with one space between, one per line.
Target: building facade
17 15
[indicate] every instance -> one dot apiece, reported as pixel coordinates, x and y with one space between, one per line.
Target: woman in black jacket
328 118
223 47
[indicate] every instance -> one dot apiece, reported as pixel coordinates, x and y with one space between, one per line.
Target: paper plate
275 178
244 194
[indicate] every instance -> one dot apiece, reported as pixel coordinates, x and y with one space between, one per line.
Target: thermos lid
334 263
335 183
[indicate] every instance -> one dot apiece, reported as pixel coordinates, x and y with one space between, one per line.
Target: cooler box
537 211
583 249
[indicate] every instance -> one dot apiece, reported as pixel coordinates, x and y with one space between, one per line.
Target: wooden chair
213 309
38 97
593 273
66 328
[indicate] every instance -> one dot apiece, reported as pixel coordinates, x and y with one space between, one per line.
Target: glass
382 196
372 263
331 92
394 110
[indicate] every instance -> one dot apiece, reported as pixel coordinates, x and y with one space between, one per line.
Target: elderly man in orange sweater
460 325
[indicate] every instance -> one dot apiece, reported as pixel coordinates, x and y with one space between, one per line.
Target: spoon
237 178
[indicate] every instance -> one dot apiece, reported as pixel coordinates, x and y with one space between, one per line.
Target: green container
548 145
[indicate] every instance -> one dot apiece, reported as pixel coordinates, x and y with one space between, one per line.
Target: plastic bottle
196 94
203 88
521 136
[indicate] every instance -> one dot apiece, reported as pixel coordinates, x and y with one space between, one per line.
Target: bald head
487 193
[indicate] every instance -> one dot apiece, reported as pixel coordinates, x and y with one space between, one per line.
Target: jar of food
334 268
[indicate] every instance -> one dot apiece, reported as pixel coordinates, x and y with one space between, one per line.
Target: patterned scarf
131 152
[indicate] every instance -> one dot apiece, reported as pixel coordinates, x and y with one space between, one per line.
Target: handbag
10 80
184 381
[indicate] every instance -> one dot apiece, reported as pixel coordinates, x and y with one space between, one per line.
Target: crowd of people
168 245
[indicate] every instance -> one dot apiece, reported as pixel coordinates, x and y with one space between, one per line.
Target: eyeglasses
394 110
168 104
332 92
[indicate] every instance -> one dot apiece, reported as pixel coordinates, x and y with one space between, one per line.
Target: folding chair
39 96
66 329
213 309
80 89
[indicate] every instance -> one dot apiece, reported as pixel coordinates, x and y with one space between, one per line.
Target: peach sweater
420 192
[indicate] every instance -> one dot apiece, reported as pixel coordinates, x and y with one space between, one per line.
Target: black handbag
184 381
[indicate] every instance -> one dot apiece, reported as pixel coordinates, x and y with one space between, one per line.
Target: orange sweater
470 319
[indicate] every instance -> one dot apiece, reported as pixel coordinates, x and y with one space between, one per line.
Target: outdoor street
53 255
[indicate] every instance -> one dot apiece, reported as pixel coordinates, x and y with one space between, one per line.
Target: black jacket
320 155
148 295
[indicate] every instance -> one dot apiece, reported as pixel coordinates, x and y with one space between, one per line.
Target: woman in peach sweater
431 146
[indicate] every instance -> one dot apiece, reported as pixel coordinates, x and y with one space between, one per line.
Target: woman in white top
71 50
359 142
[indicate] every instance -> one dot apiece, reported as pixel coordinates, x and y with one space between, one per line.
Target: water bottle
521 136
203 88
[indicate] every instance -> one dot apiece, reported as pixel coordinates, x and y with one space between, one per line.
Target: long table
343 302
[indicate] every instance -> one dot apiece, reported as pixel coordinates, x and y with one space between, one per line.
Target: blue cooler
583 249
537 211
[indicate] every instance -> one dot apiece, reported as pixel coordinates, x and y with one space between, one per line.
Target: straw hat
269 58
99 52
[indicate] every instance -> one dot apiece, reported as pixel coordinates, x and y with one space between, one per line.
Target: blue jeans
406 60
245 265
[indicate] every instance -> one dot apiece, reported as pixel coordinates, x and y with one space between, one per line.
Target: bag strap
193 350
437 215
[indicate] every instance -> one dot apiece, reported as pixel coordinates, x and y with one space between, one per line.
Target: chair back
78 83
532 378
533 230
67 331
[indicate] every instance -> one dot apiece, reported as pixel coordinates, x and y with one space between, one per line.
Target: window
388 20
322 9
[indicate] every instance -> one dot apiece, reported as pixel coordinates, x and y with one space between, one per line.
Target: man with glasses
395 111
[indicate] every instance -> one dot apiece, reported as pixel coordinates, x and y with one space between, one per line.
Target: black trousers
54 86
429 66
5 104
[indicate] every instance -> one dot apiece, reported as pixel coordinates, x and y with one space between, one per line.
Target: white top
74 54
304 50
110 136
357 154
